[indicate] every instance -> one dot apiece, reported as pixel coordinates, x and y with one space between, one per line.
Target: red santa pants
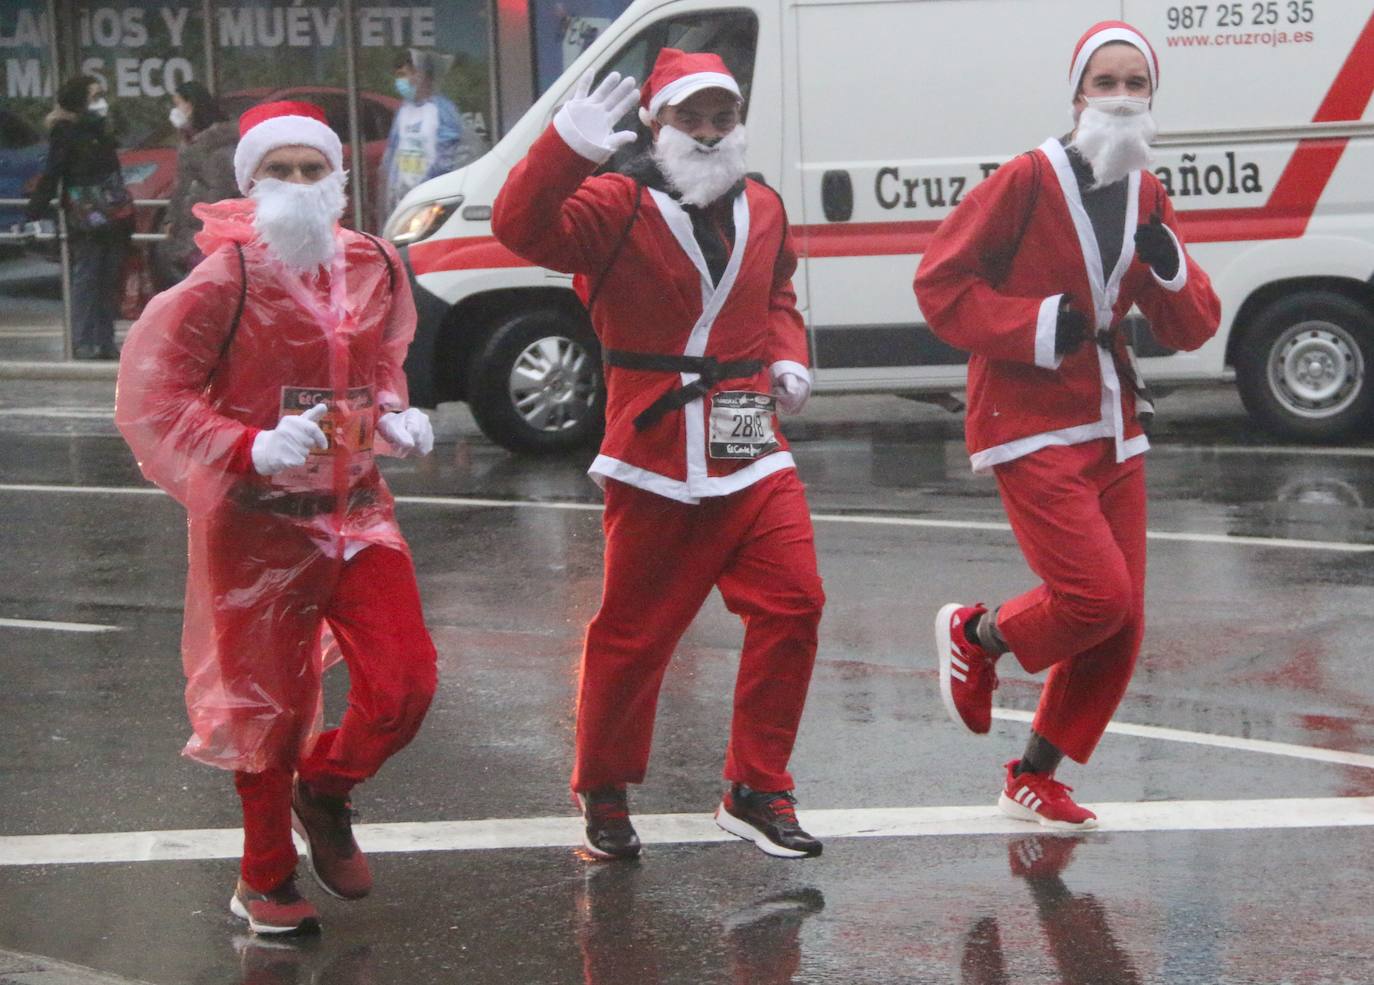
662 559
374 612
1079 517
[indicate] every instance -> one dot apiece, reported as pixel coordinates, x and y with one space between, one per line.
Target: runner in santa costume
253 392
1032 274
686 268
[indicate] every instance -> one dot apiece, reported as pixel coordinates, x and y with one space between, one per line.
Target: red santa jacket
658 297
1023 397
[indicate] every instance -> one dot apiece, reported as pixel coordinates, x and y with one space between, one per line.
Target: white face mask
99 107
178 118
1119 105
1113 135
296 221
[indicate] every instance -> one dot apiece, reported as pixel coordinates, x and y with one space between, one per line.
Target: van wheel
1301 368
536 385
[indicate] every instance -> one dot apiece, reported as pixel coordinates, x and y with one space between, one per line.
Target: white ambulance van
874 118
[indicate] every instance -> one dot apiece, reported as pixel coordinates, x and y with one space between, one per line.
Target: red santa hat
1105 33
264 128
679 74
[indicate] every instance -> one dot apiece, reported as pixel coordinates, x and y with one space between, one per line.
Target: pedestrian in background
426 133
205 173
83 169
1032 274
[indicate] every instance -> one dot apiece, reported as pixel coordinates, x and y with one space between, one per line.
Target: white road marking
1220 741
79 413
680 829
82 490
1305 450
63 627
463 502
1175 535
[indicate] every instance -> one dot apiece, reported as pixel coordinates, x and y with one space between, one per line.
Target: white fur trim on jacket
1180 279
1046 332
788 366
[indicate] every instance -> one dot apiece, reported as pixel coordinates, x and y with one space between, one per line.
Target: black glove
1154 246
1070 330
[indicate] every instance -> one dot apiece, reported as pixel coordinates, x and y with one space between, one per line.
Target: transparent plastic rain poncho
265 551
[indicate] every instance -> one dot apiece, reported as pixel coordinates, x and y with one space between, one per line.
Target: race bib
348 431
741 424
411 166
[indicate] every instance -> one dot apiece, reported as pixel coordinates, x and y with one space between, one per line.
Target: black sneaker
769 820
609 833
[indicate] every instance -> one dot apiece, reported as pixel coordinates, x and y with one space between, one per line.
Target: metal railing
64 253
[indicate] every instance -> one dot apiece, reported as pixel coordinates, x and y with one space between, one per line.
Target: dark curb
32 969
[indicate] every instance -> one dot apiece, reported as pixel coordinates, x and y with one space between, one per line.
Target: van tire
1303 366
536 384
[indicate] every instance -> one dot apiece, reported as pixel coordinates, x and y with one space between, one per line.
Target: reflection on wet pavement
1261 642
301 961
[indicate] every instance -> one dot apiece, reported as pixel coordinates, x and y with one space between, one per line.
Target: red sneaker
1041 798
326 824
968 673
282 911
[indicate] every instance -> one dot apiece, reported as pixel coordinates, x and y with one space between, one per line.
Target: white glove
584 122
409 432
289 443
791 391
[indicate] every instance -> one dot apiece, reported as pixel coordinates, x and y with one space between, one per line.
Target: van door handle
837 196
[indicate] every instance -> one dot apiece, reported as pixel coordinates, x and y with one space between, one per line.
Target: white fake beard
698 173
296 221
1115 144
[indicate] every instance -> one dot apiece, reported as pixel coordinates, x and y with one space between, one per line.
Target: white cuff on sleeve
573 137
788 366
1045 324
1179 279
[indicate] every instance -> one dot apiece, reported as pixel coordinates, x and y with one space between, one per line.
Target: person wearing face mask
685 265
1032 274
256 392
83 166
205 173
426 133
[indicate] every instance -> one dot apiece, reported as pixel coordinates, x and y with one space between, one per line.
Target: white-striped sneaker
968 673
1039 797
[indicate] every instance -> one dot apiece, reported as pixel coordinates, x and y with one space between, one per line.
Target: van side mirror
837 196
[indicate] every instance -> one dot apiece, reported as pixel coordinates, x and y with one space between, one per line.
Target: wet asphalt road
1261 639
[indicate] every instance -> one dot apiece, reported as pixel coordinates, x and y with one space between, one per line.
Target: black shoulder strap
619 245
390 270
786 223
238 309
1000 262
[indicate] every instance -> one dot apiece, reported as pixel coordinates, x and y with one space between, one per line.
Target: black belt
301 505
710 371
1106 338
